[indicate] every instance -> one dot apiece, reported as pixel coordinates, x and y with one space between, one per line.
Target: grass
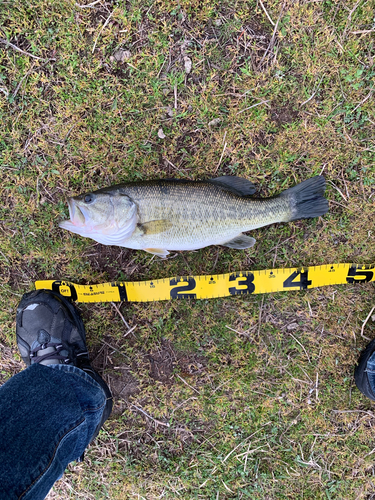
258 392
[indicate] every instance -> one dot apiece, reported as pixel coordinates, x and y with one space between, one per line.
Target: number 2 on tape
182 287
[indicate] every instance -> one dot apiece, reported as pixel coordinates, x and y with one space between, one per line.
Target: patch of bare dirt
117 374
166 361
112 262
285 114
26 270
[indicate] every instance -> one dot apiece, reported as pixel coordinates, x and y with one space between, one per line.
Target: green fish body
163 215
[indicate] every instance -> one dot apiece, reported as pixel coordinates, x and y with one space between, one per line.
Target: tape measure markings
215 285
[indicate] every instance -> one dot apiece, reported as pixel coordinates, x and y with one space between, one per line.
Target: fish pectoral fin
160 252
234 184
155 226
239 242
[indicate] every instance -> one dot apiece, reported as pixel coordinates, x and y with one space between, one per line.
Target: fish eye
88 198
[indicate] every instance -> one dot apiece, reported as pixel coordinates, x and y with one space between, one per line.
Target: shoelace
49 355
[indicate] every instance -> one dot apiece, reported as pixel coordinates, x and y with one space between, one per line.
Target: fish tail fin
307 198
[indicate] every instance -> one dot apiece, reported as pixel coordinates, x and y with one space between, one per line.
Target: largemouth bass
162 215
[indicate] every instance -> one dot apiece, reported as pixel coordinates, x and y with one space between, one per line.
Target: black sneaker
360 372
50 330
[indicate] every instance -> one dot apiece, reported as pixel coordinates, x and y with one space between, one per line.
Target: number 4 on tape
298 279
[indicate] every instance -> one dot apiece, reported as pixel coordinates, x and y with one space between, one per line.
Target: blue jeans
370 370
48 416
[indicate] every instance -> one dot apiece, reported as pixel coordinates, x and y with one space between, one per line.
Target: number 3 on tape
245 279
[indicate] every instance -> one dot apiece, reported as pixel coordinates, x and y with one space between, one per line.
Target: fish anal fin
160 252
234 184
240 242
155 226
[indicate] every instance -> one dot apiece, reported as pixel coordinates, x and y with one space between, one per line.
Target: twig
5 42
184 381
89 5
226 487
22 79
337 203
313 94
121 316
361 32
221 157
354 411
217 258
238 332
152 418
170 163
100 32
175 96
337 189
349 19
246 457
273 248
114 348
364 323
244 441
270 45
368 454
260 315
298 342
253 106
225 134
364 100
263 7
221 385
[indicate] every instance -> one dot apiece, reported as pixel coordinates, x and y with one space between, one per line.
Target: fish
159 216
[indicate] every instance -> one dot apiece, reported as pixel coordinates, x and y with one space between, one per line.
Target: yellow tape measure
214 285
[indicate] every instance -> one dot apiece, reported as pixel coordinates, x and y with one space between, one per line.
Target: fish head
105 216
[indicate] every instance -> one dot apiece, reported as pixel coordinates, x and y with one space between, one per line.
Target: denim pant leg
370 370
48 416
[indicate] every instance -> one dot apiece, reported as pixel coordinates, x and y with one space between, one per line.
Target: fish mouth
77 218
77 214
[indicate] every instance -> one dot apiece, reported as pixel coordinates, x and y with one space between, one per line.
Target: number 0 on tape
214 285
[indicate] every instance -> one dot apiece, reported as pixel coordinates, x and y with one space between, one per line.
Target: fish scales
200 210
163 215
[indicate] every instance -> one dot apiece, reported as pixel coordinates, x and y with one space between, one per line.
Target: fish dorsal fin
239 242
155 226
234 184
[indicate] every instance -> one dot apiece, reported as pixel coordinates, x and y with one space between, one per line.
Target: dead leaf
292 326
188 64
122 56
214 122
